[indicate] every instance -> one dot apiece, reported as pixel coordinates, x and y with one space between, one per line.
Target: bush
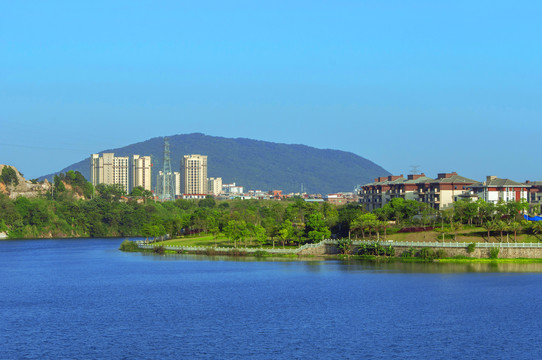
344 246
236 252
261 253
159 250
471 247
427 253
129 246
494 253
210 252
9 176
390 251
411 252
440 254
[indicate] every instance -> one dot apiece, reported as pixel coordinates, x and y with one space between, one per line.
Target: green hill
257 164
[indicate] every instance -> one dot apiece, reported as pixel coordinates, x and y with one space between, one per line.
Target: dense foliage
76 208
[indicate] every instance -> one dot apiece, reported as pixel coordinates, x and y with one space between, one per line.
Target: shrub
159 250
129 246
494 253
344 246
261 253
362 250
427 253
471 247
390 251
411 252
9 176
236 252
210 252
440 254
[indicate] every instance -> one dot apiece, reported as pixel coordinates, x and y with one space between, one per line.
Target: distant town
191 182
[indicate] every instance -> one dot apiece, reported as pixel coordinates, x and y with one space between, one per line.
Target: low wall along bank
329 247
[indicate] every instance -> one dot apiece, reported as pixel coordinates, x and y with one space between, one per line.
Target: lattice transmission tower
168 190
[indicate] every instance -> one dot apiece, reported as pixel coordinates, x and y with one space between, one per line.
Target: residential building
193 196
232 189
141 172
177 183
494 190
340 198
439 193
535 192
96 168
109 169
214 186
194 174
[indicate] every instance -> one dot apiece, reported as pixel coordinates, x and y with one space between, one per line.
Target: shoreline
360 258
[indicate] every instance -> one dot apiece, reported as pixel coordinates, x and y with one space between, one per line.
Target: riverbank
422 255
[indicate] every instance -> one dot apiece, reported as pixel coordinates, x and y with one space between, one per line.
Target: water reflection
317 263
442 268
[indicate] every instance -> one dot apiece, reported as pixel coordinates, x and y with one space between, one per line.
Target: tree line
75 208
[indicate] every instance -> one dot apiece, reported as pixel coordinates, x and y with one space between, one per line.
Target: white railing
449 244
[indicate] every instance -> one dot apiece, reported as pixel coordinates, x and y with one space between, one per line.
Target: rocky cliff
24 187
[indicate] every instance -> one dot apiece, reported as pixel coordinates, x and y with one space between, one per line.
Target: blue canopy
533 218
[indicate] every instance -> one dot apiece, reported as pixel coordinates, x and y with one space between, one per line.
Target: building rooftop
497 182
455 179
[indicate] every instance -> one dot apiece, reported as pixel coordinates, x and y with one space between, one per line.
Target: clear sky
446 85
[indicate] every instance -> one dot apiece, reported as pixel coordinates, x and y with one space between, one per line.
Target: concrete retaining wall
504 253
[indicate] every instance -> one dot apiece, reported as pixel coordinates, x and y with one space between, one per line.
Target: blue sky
448 86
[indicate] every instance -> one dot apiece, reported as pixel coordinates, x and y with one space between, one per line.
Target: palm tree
489 226
355 226
536 227
515 226
501 226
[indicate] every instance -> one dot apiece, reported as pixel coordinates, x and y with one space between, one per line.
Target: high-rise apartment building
96 168
141 172
177 183
109 169
194 174
214 186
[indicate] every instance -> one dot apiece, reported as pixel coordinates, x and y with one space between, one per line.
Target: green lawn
467 235
209 241
464 235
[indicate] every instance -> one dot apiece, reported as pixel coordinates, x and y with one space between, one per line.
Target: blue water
84 299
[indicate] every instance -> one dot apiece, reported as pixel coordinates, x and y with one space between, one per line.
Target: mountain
257 164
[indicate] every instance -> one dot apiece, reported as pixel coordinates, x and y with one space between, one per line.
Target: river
84 299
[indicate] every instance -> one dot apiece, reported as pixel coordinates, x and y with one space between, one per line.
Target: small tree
286 231
455 227
515 226
489 226
501 226
316 228
259 234
9 176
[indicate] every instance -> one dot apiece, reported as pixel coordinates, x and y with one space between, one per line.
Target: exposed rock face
24 188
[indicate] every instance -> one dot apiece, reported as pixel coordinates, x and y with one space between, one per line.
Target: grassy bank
211 241
467 234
